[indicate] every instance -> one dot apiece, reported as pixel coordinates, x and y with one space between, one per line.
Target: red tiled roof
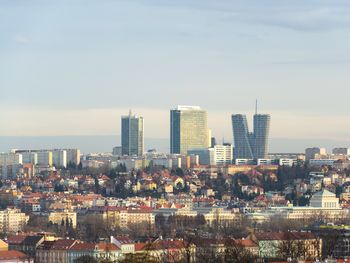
246 243
140 246
83 246
107 246
167 244
12 254
16 240
63 244
140 210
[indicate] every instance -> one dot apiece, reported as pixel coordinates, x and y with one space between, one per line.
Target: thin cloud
21 39
315 19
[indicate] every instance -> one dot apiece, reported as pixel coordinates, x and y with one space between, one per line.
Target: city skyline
128 131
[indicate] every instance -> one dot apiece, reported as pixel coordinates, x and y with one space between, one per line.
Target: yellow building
57 217
12 220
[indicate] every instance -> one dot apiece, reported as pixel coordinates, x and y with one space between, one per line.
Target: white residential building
217 155
59 158
30 157
10 164
73 156
45 157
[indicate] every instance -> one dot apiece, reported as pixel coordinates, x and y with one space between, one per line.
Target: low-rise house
54 251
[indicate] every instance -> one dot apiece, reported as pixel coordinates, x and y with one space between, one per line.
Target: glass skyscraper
132 135
188 129
251 145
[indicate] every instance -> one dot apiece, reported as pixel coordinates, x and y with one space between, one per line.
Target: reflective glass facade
132 135
188 129
251 145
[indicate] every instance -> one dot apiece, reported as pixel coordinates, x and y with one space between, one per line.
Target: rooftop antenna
256 106
130 112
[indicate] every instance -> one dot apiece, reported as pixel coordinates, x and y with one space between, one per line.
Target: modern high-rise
188 129
132 135
261 135
251 145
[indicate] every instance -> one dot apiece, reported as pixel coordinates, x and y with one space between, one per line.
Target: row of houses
265 245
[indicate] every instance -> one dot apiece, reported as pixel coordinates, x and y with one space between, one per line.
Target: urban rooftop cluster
202 202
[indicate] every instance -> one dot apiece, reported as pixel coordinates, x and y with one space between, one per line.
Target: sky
73 67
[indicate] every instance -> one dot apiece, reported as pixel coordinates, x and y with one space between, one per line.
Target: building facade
59 158
132 135
12 220
188 129
217 155
251 145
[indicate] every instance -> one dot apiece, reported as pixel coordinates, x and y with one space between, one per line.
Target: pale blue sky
71 67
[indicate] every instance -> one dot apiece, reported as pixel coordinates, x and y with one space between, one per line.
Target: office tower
188 129
311 153
242 138
251 145
132 135
261 134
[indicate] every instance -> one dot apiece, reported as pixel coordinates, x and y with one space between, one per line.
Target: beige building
220 216
57 217
12 220
136 216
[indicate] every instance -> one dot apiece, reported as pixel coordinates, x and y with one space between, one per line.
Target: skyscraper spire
256 106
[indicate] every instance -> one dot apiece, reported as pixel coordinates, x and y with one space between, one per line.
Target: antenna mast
256 106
